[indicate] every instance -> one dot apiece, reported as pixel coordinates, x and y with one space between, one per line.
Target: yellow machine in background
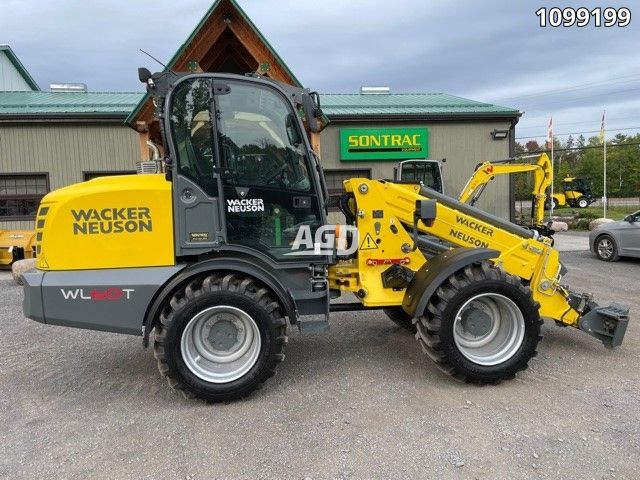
574 192
16 245
487 171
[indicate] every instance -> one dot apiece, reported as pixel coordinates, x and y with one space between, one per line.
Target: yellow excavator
215 256
542 177
575 192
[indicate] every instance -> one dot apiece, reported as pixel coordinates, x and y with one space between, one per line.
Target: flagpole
550 145
604 180
550 140
604 198
552 179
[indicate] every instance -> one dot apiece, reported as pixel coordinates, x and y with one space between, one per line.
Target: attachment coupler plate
607 324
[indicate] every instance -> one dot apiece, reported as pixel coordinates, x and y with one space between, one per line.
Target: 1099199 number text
582 17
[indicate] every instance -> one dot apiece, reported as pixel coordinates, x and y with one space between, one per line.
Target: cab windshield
422 171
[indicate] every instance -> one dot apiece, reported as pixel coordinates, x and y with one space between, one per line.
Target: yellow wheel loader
575 192
214 258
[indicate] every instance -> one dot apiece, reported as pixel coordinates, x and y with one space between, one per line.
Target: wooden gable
225 40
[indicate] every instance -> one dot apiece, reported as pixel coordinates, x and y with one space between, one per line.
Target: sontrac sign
383 143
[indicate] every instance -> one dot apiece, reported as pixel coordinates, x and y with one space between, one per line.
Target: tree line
579 157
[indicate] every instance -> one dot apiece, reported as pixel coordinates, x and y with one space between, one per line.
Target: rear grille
40 221
148 166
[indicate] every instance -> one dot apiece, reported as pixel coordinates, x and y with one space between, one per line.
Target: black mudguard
437 270
249 266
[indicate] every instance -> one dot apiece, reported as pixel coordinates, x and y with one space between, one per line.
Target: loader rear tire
220 337
481 325
398 316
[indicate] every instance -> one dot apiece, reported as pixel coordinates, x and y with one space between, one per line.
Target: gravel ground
359 402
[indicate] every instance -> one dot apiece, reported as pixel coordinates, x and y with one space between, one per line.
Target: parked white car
610 241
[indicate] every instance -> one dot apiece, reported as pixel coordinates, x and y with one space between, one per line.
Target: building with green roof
49 139
13 76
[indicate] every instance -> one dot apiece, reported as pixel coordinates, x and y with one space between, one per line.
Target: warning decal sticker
368 243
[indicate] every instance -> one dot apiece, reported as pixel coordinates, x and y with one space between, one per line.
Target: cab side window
192 133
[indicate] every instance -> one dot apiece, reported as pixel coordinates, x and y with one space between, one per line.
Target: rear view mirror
310 113
292 131
316 120
144 74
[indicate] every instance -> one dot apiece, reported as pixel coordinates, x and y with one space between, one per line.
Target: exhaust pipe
151 166
155 149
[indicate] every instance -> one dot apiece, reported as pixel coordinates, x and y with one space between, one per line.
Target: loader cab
578 185
242 168
424 172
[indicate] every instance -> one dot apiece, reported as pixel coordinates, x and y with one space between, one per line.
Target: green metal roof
13 58
190 38
336 106
29 104
407 104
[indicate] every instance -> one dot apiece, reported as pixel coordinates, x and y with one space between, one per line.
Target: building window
334 179
111 173
20 194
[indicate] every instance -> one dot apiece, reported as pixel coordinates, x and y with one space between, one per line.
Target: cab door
196 196
269 188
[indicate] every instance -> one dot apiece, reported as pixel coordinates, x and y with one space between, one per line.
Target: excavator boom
487 171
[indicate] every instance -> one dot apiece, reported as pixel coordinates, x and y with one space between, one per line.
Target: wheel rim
220 344
488 329
583 204
605 248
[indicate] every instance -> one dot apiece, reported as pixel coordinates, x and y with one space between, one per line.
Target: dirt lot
359 402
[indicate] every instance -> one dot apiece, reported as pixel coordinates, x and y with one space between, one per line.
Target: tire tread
430 324
214 282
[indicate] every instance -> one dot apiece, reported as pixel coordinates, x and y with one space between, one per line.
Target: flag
601 136
550 133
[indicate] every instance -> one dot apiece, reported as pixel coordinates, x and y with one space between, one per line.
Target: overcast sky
489 50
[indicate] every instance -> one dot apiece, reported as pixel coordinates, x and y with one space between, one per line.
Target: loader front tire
220 337
481 325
